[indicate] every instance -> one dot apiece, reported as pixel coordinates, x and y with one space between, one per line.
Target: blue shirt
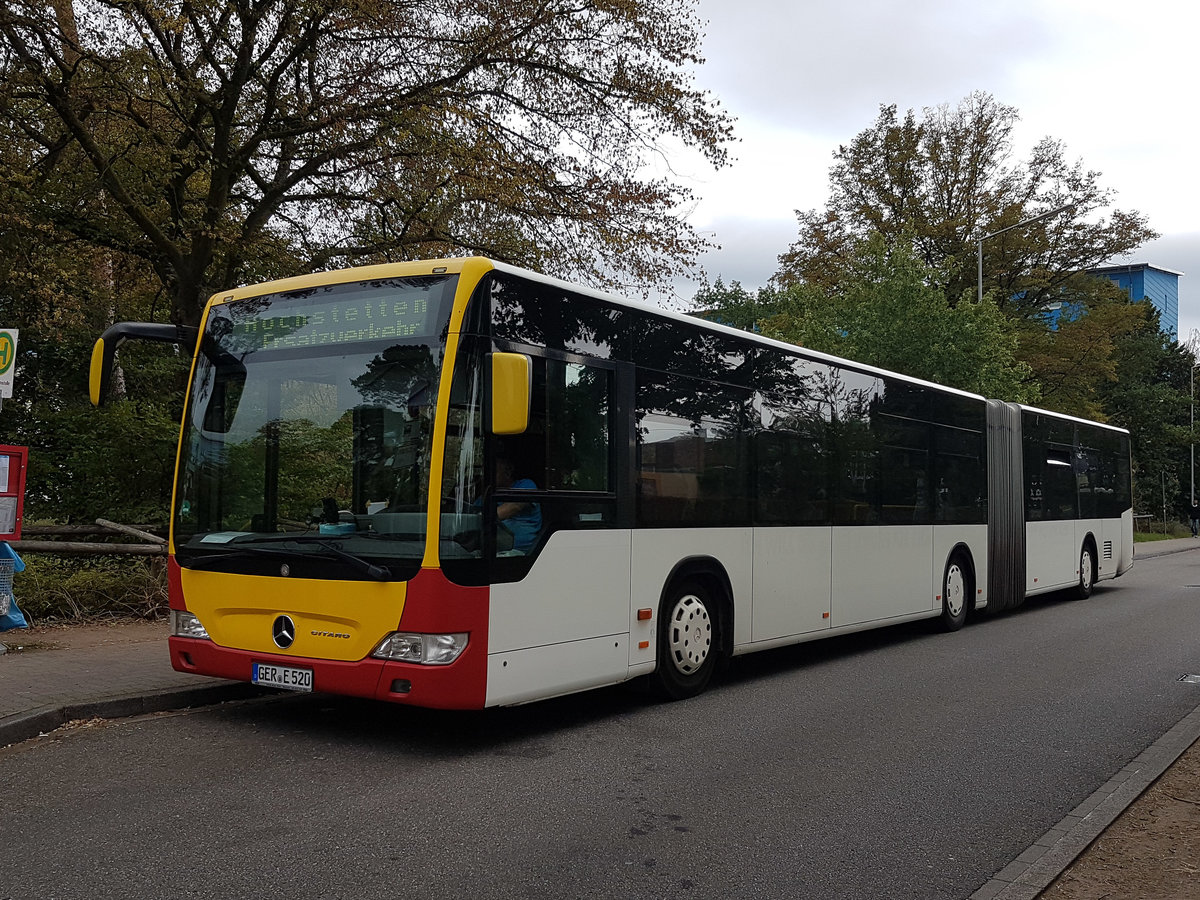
525 526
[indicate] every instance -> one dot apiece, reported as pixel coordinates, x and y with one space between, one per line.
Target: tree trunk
64 13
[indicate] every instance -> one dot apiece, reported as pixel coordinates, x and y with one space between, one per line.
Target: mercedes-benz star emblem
284 632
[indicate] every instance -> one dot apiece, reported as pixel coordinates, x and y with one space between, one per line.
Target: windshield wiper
203 562
378 573
372 571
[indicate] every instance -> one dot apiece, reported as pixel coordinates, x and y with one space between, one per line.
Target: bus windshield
307 437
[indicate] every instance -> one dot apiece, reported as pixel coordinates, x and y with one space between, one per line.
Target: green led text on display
365 319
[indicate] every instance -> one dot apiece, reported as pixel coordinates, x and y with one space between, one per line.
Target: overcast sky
1115 82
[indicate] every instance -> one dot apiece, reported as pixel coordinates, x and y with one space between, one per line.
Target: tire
1087 573
687 641
956 593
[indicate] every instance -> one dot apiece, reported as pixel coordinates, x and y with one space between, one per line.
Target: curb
1036 869
23 726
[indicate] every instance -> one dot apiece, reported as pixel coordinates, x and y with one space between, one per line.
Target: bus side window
1088 478
905 492
578 427
1059 484
791 462
693 461
959 471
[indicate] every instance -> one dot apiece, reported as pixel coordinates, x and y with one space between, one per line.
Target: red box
12 490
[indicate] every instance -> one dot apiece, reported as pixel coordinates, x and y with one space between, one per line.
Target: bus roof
726 329
1067 418
457 265
345 276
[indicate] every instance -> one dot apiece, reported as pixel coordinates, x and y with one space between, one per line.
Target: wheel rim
689 638
1085 570
956 590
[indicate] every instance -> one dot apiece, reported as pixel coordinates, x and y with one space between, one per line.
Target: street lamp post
979 241
1192 423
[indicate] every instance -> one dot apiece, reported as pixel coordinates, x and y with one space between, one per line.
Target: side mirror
510 385
101 370
106 346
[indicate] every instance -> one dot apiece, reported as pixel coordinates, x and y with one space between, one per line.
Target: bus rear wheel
687 641
956 590
1087 573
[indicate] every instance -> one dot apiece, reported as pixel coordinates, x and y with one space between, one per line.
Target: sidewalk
1137 866
55 674
1151 549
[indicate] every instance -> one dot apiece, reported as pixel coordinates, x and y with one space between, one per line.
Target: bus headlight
426 649
184 624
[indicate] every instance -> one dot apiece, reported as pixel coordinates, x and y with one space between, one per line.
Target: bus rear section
1061 503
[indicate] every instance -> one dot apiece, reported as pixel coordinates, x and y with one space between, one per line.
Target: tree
221 142
942 180
62 291
115 462
1075 361
887 311
1150 395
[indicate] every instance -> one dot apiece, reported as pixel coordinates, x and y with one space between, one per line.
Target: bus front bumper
460 685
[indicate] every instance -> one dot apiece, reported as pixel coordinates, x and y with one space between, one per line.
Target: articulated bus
458 484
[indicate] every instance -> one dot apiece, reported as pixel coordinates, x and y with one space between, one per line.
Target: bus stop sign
8 361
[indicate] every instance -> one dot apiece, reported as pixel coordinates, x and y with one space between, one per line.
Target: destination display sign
338 315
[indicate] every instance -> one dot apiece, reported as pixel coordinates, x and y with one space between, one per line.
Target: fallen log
129 529
85 548
75 529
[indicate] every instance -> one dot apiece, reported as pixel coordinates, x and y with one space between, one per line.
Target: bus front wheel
687 641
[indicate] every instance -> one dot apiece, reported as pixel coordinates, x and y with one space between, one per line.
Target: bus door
558 526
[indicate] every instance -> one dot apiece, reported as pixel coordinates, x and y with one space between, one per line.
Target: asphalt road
894 764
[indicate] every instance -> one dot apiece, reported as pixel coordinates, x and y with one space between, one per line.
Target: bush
59 588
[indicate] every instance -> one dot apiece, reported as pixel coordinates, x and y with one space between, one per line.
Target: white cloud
749 252
827 67
1113 82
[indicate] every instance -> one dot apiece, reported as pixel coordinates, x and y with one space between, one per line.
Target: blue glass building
1143 281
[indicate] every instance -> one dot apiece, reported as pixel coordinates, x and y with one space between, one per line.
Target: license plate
289 678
